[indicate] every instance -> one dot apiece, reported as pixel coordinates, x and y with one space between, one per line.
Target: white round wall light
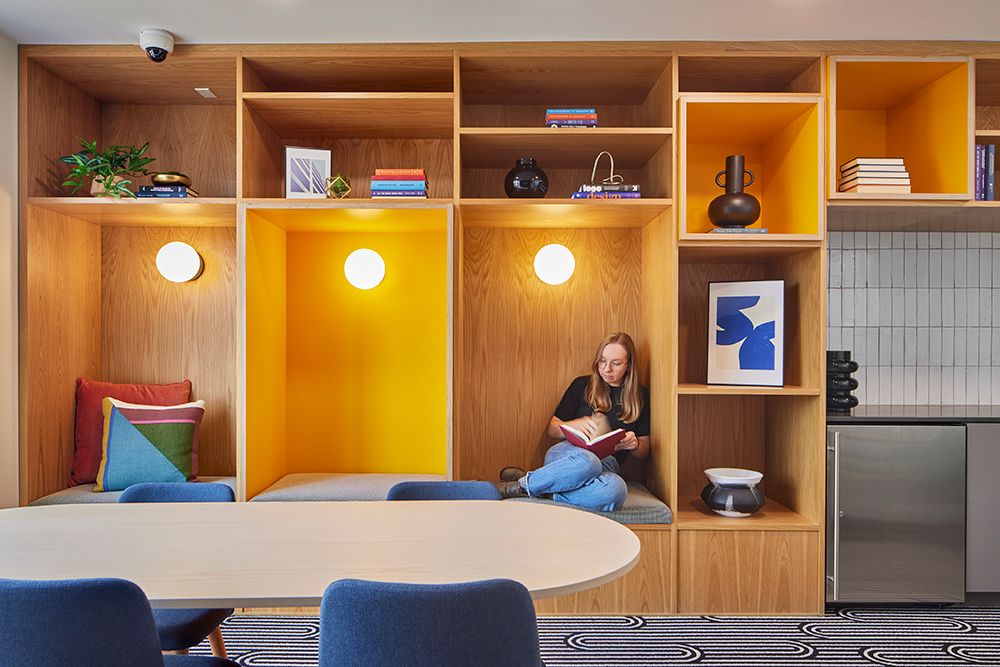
554 264
364 268
178 262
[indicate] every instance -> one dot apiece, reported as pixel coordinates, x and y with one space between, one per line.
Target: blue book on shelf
399 185
979 173
399 193
991 150
606 195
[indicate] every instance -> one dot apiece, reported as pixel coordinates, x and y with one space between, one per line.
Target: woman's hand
585 424
629 443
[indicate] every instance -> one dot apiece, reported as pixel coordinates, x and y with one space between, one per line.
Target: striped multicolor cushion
148 443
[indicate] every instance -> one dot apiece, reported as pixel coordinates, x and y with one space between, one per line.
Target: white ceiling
327 21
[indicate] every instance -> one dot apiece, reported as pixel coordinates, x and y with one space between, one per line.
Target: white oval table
284 554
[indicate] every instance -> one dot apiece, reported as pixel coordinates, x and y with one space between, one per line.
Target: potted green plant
109 168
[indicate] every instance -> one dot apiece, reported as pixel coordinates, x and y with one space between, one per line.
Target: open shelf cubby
781 140
914 108
340 379
773 73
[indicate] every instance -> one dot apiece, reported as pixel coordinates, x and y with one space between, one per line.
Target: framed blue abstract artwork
306 171
746 341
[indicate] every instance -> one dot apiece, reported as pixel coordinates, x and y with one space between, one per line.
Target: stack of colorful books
399 184
571 117
874 175
986 164
169 191
608 191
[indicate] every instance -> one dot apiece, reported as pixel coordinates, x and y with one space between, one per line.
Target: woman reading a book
609 398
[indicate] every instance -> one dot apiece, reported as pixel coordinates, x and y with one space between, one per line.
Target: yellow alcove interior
341 379
917 110
780 142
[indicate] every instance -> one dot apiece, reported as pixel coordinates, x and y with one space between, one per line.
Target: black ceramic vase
526 180
735 208
733 500
839 383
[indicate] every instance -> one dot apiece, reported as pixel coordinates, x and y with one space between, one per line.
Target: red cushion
90 418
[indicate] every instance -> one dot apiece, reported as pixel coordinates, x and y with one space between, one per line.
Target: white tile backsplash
920 312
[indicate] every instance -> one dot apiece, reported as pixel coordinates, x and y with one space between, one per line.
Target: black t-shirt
573 406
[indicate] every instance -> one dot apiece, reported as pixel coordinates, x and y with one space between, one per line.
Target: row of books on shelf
874 175
165 191
571 117
399 184
985 172
608 191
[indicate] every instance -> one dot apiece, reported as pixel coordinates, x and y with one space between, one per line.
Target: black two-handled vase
526 180
733 500
735 208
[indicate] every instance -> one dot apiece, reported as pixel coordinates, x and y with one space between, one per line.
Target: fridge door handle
836 515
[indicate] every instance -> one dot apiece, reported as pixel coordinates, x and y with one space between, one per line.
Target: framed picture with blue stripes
306 171
746 341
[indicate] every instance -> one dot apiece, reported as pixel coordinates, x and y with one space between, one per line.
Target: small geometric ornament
147 443
337 187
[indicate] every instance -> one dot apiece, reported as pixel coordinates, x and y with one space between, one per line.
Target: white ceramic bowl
734 476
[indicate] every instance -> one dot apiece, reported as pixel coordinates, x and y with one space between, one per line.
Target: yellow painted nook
918 109
350 380
781 140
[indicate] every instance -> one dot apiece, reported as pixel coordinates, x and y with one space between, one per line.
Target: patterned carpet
863 636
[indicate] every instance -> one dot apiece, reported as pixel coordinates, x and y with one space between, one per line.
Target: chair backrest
177 492
443 491
78 622
484 623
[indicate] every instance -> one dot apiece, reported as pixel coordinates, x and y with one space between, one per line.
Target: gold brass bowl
171 179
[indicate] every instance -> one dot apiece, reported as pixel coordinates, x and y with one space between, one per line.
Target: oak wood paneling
263 162
60 331
52 114
718 432
748 572
763 74
525 341
197 140
156 331
644 590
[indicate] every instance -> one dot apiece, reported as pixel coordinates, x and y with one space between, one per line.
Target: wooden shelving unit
462 332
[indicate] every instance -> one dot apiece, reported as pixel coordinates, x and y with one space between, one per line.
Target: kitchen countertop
919 414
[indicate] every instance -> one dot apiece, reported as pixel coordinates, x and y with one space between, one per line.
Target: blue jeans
574 475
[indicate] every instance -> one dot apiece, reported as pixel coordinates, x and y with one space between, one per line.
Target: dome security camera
156 43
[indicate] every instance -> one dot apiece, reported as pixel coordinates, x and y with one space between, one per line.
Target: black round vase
733 500
735 208
526 180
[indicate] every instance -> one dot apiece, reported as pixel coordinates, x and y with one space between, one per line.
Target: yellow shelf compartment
781 139
338 379
641 155
561 213
145 212
916 108
627 88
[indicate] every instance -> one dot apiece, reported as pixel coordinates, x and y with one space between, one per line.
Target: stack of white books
874 175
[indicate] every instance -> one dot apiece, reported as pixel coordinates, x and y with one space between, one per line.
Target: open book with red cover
601 443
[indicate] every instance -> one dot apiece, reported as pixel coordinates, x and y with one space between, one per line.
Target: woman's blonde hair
598 392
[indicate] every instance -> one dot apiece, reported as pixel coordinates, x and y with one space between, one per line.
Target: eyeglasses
615 364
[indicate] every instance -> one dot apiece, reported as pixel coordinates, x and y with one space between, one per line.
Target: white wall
8 273
920 312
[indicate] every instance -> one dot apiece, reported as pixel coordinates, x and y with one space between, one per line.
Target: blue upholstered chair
375 624
180 629
83 623
443 491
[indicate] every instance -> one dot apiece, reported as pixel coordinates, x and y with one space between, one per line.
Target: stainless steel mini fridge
895 513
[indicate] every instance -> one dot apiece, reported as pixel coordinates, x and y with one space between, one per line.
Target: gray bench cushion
640 506
84 493
337 486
